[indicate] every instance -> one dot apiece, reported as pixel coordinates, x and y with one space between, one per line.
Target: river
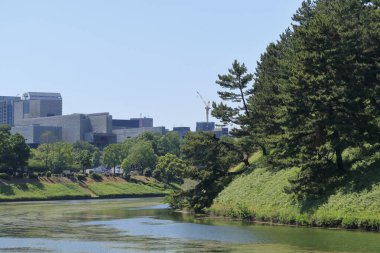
146 225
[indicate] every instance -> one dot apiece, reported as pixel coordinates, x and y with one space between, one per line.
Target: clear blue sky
133 57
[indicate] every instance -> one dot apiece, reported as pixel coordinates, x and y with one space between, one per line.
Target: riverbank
260 196
61 188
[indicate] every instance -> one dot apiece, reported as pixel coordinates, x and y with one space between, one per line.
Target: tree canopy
14 152
313 102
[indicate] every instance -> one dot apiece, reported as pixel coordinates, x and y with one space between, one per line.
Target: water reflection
158 228
146 225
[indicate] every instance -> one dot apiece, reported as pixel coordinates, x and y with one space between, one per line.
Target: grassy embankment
52 188
260 195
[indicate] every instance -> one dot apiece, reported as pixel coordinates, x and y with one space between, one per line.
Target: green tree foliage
236 83
237 90
266 103
170 168
314 102
316 91
337 77
84 145
5 128
168 143
20 152
209 158
112 155
54 157
61 157
151 137
44 152
48 137
96 158
86 155
14 152
41 156
141 156
84 159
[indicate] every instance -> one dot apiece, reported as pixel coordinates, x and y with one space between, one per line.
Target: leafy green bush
48 174
5 176
81 176
96 176
127 176
148 172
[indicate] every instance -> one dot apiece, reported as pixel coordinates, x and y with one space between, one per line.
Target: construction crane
207 105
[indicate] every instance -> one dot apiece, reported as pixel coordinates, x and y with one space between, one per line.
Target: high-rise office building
37 105
6 109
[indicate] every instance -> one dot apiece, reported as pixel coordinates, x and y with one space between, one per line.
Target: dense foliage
14 152
313 103
316 93
138 155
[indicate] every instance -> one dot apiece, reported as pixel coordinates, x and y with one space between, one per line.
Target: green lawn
260 195
41 191
252 159
122 189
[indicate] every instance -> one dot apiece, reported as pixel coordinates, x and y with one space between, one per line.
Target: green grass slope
63 188
113 189
260 196
41 191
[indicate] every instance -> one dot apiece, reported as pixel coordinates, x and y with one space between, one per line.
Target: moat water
147 225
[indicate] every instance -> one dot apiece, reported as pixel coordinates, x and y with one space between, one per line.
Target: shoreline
281 224
125 196
60 188
203 216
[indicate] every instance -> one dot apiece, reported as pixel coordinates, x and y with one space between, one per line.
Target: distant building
36 134
37 105
205 126
38 117
125 123
93 128
182 131
128 133
42 96
219 132
6 109
144 122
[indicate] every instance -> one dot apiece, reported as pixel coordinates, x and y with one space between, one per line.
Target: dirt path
86 189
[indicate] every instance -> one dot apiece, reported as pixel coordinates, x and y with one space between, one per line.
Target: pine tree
236 89
266 103
333 88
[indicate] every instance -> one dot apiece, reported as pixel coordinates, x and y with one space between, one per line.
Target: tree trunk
338 153
263 149
339 159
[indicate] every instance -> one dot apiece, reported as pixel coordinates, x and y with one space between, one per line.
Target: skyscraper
6 109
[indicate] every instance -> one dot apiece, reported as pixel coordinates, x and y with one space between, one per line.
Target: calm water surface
146 225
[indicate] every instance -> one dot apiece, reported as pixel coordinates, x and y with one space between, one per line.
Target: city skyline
136 58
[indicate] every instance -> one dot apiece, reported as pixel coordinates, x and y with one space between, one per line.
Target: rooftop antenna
207 105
